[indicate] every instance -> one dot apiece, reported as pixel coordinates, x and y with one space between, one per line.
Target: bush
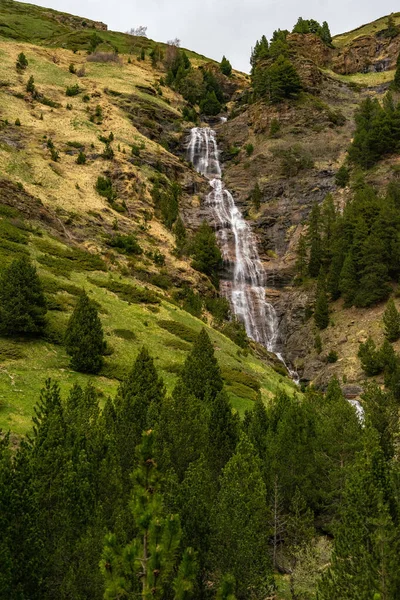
179 329
81 158
206 254
73 90
22 62
332 357
30 86
125 243
22 301
127 292
249 149
104 187
294 160
84 338
125 334
236 332
342 177
72 68
17 122
219 308
104 57
274 128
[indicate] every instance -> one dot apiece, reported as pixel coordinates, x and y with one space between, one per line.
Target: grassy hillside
372 28
49 208
48 27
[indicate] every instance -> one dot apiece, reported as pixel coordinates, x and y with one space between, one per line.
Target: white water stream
246 289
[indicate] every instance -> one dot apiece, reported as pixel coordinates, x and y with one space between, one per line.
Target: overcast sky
217 27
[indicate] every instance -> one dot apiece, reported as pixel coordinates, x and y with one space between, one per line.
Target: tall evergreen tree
84 338
391 321
240 531
150 558
207 256
137 406
366 547
22 302
321 311
223 433
348 280
201 374
225 66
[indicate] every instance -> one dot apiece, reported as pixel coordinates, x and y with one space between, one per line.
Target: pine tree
326 34
226 590
348 280
240 530
256 196
22 62
180 236
182 431
223 433
225 67
137 406
366 547
22 302
370 357
321 311
210 105
342 177
284 81
84 338
207 256
151 558
391 321
201 374
30 86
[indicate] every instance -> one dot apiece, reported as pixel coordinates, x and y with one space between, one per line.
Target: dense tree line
312 26
273 75
357 250
377 130
175 497
199 86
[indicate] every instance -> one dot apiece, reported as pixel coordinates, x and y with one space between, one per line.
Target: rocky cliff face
366 54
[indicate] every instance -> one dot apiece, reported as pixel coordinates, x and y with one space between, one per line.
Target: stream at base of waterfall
245 288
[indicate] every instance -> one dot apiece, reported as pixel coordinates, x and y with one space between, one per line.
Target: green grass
22 378
363 79
43 26
368 29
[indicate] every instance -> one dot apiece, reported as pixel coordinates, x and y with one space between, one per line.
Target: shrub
206 254
55 155
225 67
342 177
125 243
84 338
236 332
104 187
81 158
235 376
22 62
22 302
73 90
125 334
219 308
249 149
179 329
127 292
135 150
274 128
332 357
30 86
104 57
72 68
294 160
17 122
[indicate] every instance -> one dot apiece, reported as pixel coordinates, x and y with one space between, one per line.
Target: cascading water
246 288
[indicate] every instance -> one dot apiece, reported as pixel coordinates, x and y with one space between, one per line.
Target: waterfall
246 288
